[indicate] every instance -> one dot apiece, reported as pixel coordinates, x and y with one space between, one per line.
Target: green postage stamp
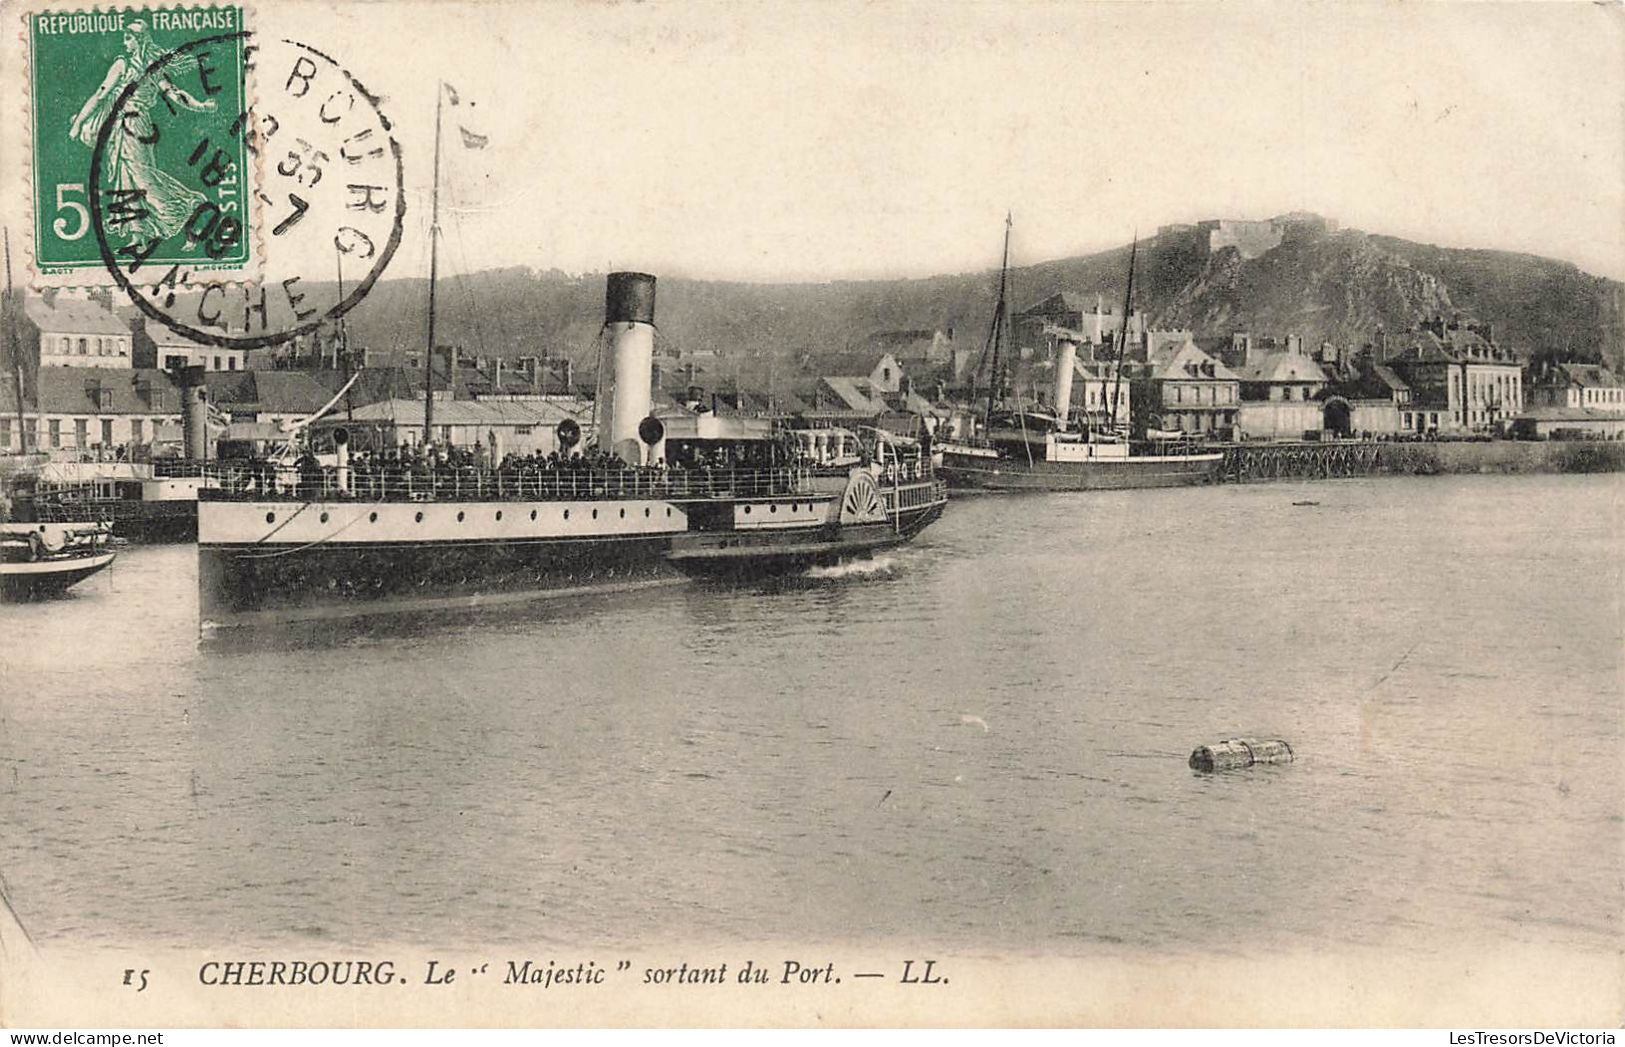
137 138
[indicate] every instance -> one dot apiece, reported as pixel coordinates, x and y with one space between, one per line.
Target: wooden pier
1246 463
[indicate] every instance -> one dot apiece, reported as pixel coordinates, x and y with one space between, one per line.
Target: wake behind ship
723 496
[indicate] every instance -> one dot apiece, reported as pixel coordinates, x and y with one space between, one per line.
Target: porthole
772 508
459 516
269 518
533 514
324 518
668 510
372 517
595 514
646 511
747 510
499 514
566 514
623 514
419 518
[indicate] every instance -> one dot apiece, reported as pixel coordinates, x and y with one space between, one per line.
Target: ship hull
248 584
965 472
48 578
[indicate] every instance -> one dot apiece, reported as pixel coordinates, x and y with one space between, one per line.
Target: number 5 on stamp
174 176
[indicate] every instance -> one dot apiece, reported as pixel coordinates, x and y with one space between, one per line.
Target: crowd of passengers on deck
437 472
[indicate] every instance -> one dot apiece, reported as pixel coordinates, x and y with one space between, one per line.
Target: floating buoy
1236 753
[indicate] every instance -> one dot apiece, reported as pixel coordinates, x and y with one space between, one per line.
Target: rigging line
5 899
308 545
467 284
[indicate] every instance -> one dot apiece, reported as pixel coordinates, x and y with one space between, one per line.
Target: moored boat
145 502
43 559
1028 450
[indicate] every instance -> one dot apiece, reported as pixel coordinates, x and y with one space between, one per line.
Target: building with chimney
78 411
1366 398
1575 400
1280 393
1461 379
1183 388
61 331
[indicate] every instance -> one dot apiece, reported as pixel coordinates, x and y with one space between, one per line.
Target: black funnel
629 298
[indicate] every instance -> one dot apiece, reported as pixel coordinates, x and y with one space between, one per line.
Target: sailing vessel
1016 449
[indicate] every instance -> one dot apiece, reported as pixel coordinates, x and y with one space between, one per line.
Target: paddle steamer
659 500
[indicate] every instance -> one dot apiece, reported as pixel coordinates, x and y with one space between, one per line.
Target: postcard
859 514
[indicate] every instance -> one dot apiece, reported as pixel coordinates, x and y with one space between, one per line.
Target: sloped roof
1461 346
289 391
1585 376
1282 367
1071 301
1390 378
1169 363
161 335
281 392
894 341
848 365
72 316
1547 413
854 393
1094 371
917 404
72 390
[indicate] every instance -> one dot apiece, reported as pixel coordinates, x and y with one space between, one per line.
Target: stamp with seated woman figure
175 179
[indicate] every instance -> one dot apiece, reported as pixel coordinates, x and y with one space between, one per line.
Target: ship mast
344 340
434 257
995 333
1122 335
15 349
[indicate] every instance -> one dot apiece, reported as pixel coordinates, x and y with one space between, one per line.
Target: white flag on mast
471 140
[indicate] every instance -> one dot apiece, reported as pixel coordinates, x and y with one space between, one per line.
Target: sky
783 141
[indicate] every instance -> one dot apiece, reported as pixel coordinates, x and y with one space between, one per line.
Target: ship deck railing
472 483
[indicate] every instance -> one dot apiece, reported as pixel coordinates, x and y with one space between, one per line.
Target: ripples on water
978 740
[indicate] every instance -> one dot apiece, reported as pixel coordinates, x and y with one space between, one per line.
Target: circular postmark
307 172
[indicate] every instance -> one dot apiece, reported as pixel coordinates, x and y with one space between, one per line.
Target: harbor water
979 740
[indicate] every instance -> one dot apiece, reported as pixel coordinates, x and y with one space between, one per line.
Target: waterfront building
1367 398
1577 385
1182 387
76 412
61 331
1280 394
1461 379
1573 400
155 345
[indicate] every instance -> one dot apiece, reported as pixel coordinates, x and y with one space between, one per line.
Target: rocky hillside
1337 288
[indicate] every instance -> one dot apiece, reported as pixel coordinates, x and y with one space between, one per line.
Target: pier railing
472 483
